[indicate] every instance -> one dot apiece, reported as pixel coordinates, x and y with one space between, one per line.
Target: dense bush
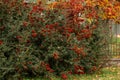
69 38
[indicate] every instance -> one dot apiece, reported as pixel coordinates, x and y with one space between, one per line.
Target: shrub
67 39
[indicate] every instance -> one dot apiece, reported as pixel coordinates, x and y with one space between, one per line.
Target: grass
115 39
108 73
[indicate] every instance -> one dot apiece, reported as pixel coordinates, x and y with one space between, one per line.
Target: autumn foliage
62 38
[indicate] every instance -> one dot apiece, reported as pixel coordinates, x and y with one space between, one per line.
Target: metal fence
114 46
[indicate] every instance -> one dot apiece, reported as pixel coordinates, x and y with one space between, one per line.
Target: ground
107 73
